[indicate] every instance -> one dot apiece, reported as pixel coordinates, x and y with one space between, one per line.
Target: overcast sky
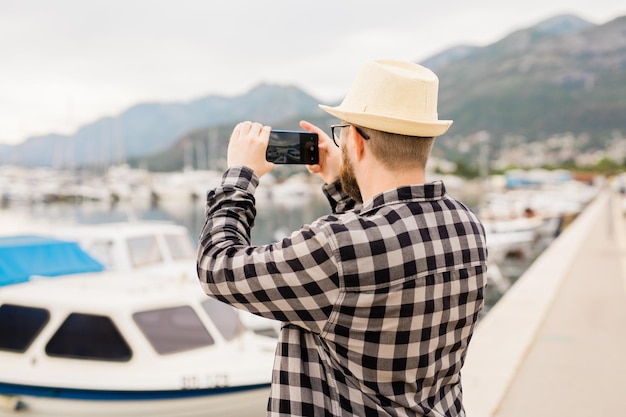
64 63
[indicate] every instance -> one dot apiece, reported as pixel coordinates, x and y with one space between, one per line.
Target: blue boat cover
24 256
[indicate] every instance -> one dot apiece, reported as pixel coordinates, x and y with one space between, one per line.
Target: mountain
563 75
449 56
149 128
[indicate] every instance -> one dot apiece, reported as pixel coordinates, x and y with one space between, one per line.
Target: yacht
127 344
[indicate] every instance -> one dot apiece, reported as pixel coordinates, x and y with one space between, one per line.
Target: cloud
68 62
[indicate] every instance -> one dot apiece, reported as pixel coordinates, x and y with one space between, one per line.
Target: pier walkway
555 344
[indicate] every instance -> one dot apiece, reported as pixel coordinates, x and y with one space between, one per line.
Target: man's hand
330 155
247 147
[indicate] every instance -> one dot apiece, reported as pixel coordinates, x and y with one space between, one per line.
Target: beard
347 178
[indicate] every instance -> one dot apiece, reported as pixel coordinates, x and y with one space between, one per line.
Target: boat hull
54 402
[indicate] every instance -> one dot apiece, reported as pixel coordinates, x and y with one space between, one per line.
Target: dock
555 344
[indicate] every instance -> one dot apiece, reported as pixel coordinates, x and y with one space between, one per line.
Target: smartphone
292 147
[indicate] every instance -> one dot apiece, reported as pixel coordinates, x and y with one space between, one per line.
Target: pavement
555 345
577 363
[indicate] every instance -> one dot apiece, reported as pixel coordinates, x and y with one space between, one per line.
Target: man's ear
359 143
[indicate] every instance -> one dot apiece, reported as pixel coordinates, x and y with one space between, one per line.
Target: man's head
392 109
395 97
396 153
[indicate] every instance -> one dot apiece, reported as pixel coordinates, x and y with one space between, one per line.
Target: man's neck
377 181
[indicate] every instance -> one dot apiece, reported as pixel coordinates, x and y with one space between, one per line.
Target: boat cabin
143 245
106 331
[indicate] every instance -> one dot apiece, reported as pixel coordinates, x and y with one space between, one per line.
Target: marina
524 233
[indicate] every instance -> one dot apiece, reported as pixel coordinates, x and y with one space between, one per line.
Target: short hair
397 151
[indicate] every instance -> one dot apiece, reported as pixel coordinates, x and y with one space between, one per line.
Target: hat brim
391 124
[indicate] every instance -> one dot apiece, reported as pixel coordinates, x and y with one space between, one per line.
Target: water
274 219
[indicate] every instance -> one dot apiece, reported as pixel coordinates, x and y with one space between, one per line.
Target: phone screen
292 147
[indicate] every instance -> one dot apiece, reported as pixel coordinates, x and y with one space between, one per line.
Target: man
378 300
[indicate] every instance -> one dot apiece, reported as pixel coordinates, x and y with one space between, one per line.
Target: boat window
101 250
86 336
144 251
173 330
180 246
20 325
225 317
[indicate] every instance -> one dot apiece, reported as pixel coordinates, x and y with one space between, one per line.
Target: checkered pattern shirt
378 303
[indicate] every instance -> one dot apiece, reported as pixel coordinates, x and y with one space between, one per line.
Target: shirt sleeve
294 280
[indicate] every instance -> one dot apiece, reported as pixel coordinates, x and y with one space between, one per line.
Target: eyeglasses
336 132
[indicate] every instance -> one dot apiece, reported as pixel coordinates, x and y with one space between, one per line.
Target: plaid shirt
378 304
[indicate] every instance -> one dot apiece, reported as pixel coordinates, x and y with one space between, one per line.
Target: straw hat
393 96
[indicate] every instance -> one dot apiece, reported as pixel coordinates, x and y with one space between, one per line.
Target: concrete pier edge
504 336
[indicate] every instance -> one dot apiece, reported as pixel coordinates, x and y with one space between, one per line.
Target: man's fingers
236 132
253 131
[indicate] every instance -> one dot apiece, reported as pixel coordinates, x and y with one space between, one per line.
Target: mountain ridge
563 83
563 74
152 127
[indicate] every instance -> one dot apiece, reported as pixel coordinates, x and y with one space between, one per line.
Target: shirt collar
410 193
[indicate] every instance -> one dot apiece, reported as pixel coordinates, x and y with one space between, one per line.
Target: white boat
516 237
182 187
157 246
521 222
148 246
110 344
